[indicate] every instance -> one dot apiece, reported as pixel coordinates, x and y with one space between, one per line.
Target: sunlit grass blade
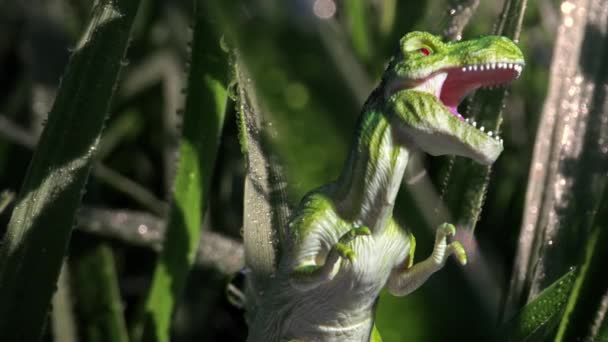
467 182
202 126
568 168
266 207
538 317
99 306
39 230
591 285
63 321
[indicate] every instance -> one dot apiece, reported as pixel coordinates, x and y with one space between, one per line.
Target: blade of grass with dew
591 285
568 169
293 88
95 284
41 223
266 207
538 317
203 121
466 182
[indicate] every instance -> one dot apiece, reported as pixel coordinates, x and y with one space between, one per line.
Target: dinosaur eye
425 51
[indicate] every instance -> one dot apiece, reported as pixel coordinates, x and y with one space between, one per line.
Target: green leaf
41 223
591 285
100 312
541 314
466 181
203 122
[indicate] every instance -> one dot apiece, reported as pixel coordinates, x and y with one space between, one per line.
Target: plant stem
203 122
41 223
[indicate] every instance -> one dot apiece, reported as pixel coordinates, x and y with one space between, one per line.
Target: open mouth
452 85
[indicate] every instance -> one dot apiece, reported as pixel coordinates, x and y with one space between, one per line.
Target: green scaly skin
342 245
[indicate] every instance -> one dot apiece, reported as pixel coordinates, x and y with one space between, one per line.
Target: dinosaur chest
375 258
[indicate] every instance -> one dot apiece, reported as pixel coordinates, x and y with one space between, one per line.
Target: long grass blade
467 182
568 168
100 311
39 230
63 320
202 126
591 285
540 317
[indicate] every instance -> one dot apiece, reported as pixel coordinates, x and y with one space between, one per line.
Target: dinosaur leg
309 275
403 280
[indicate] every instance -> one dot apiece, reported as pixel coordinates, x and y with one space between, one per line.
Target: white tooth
464 69
481 128
467 119
482 67
475 67
490 133
510 66
493 65
474 123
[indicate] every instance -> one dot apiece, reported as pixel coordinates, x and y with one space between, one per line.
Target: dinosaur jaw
440 129
461 81
452 85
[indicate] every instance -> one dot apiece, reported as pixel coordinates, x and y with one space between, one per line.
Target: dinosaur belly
342 309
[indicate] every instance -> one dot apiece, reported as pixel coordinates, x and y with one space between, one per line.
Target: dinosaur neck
367 187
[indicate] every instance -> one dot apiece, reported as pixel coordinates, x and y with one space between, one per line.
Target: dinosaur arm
403 281
308 274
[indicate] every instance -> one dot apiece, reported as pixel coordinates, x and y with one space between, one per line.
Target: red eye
425 51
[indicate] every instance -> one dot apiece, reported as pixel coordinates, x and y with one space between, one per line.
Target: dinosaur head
427 79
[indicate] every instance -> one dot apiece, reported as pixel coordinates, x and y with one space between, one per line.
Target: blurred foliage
313 63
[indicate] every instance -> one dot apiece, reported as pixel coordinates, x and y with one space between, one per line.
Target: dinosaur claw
459 252
345 252
362 230
447 229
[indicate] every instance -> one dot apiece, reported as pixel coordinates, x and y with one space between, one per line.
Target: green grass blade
591 285
266 207
97 294
39 230
202 126
63 320
357 13
467 181
568 168
541 314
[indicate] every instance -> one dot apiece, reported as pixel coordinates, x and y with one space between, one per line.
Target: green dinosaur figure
341 245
